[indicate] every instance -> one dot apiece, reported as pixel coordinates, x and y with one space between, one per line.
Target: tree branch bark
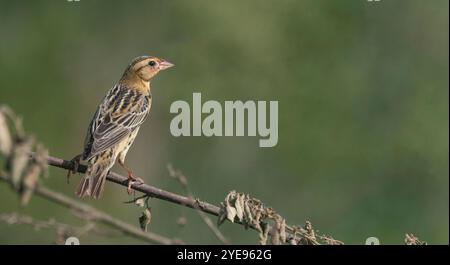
156 192
144 188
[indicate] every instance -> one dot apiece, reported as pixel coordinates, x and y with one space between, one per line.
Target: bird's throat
138 84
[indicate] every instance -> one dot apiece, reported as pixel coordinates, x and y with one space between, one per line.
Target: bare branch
144 188
99 216
62 230
292 232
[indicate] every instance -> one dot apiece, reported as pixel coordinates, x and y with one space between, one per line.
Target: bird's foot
132 179
75 165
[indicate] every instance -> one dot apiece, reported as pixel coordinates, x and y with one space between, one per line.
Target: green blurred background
363 108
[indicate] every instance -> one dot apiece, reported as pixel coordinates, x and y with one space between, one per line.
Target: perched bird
116 123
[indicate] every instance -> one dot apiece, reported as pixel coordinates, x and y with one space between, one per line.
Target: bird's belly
125 144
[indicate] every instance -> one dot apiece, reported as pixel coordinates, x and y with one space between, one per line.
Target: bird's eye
152 63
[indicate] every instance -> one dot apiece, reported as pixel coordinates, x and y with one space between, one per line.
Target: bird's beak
163 65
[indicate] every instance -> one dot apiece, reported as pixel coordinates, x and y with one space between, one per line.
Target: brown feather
98 168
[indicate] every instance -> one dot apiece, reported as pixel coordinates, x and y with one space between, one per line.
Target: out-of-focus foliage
363 107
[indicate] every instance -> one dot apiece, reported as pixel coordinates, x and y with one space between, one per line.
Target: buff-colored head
145 68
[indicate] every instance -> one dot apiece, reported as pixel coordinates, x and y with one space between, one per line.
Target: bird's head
146 67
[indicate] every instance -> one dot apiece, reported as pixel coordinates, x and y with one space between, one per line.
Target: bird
115 125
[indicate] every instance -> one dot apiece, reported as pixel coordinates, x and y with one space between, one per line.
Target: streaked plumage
116 123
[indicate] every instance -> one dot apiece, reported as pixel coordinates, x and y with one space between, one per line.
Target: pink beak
163 65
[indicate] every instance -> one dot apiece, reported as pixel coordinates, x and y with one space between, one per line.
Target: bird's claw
133 180
76 164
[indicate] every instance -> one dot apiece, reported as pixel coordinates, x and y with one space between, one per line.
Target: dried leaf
253 213
309 235
248 214
257 220
19 160
239 205
29 183
275 236
283 235
264 234
229 206
410 239
5 136
231 213
230 196
309 229
140 202
40 159
145 219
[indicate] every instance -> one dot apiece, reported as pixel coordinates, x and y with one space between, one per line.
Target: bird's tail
93 182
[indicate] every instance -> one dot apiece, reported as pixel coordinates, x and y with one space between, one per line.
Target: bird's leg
131 177
75 163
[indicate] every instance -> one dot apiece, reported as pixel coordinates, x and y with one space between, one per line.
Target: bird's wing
121 112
